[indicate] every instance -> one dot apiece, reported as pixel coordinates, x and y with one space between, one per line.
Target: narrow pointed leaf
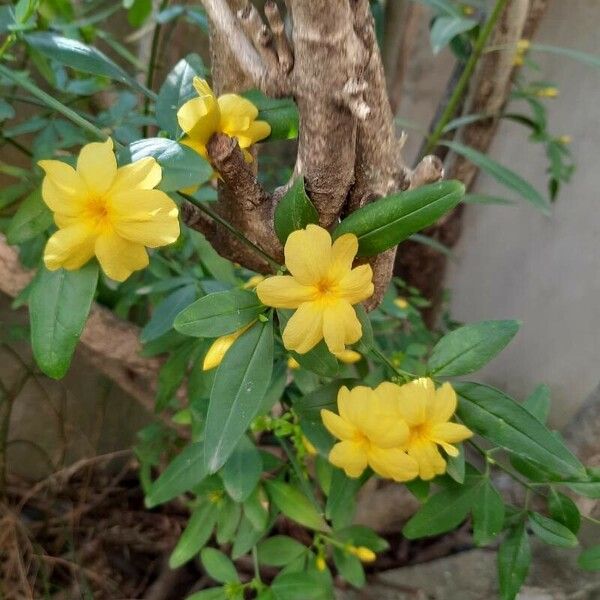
295 505
514 558
294 211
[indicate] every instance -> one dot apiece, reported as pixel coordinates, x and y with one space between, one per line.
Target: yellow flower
523 45
109 212
547 92
401 303
292 363
371 434
323 286
349 356
219 348
310 449
565 139
427 412
320 563
231 114
365 554
253 282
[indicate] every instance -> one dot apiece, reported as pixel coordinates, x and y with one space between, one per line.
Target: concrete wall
512 262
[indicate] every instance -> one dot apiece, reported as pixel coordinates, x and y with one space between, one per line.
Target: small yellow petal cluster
322 287
231 114
108 212
363 553
522 49
220 346
395 430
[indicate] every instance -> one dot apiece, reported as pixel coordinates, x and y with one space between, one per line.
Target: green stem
16 144
401 373
51 102
236 232
6 44
463 82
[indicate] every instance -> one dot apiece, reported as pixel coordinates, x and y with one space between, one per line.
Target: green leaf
240 384
6 111
538 403
564 510
295 505
359 535
165 312
514 558
589 489
448 27
589 560
216 593
469 348
386 222
590 60
455 466
32 218
218 566
441 512
172 374
367 341
309 406
176 90
552 532
181 166
341 502
485 199
219 314
185 472
247 536
349 567
294 211
81 57
488 513
500 173
59 304
281 114
498 418
195 535
307 585
279 550
241 473
228 521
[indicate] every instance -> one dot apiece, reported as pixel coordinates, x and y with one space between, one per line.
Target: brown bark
421 265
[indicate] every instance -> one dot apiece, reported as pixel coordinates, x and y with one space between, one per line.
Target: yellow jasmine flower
371 434
231 114
401 303
365 554
253 282
427 412
565 139
323 287
308 446
547 92
320 563
219 348
112 213
349 356
292 363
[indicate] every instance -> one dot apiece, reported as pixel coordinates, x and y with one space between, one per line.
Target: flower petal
349 456
63 189
143 174
349 357
443 404
413 399
256 131
283 291
450 433
70 248
392 463
305 328
147 217
429 459
97 166
343 430
307 254
343 252
353 405
196 146
220 346
357 285
237 114
199 118
340 326
119 257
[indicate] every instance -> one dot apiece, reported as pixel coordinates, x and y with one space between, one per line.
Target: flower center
97 212
420 433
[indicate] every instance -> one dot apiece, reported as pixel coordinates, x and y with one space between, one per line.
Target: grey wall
512 262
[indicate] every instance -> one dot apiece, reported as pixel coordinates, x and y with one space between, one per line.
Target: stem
8 42
51 102
401 373
255 564
463 82
217 218
16 144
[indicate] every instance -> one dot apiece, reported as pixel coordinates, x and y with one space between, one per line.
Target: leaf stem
400 372
463 82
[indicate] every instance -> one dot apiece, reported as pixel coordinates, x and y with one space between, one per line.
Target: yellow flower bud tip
547 92
253 282
523 45
310 449
321 564
565 139
320 269
349 356
395 429
363 553
292 363
110 212
401 303
219 348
